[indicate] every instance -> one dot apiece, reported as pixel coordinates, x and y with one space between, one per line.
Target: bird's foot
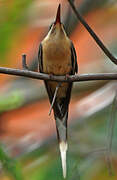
51 76
66 76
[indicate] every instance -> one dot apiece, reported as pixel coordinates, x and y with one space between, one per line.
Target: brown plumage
57 56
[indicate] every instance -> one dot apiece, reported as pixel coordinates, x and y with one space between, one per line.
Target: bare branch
73 78
93 34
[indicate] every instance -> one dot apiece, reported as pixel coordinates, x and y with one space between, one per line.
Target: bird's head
56 28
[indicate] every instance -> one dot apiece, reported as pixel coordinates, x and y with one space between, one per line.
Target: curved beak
58 15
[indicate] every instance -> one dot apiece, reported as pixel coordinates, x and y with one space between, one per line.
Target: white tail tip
63 150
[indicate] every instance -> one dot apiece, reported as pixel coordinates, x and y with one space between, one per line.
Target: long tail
61 126
60 108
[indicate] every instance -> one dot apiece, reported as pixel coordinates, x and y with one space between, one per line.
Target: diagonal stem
53 101
92 33
110 133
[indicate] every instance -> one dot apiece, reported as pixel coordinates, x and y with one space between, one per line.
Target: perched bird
57 56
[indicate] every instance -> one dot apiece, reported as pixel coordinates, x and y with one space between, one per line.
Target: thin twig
93 34
73 78
110 134
109 163
112 123
55 93
24 65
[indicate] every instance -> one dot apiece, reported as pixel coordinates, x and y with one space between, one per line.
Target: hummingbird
57 56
